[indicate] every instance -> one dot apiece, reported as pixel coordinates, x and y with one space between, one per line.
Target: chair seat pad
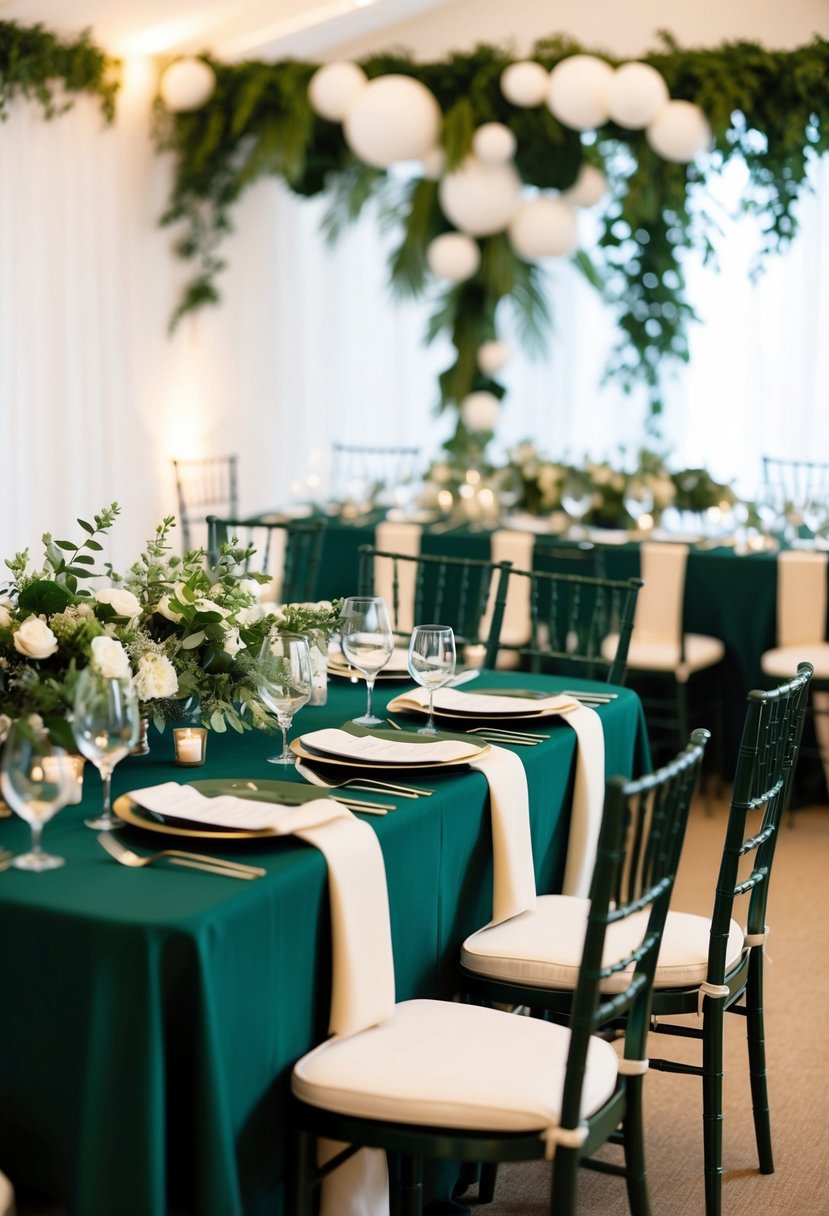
701 651
442 1064
543 948
783 660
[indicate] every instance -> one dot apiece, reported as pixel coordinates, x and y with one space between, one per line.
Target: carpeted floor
797 1014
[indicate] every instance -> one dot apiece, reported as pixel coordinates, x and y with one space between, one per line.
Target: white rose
250 587
156 677
122 602
35 639
163 606
5 617
247 616
203 604
232 643
110 659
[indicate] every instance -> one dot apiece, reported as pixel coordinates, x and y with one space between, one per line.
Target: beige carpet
797 1013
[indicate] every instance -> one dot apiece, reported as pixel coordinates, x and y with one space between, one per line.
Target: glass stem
284 723
430 725
106 778
369 691
37 828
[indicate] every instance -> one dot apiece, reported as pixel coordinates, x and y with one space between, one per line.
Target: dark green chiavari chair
288 551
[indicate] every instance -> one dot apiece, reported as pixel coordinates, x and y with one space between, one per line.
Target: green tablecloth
150 1018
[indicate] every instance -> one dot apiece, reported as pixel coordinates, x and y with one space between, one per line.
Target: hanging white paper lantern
187 84
493 143
679 132
480 410
578 91
480 199
334 88
543 228
393 118
637 93
492 356
525 83
588 189
454 255
434 162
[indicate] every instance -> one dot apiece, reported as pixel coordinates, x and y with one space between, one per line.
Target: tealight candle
190 744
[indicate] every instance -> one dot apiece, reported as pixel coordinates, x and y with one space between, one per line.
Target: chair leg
563 1185
486 1186
300 1184
411 1186
756 1037
712 1112
636 1176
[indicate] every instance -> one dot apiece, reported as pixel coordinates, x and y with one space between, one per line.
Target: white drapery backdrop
308 346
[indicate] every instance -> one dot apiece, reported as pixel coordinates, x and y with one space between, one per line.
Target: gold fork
177 857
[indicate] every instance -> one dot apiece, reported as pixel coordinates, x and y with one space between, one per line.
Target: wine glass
576 499
431 663
106 722
284 680
638 502
816 517
36 781
367 642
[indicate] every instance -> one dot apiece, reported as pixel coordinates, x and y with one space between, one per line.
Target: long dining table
150 1017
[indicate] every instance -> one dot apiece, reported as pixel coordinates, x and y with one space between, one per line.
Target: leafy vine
769 107
34 61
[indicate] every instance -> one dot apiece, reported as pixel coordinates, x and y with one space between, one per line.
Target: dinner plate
292 793
307 752
342 672
458 715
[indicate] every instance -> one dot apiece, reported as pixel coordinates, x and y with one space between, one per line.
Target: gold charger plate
292 793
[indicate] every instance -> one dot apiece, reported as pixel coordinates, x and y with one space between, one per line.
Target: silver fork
527 736
177 857
369 784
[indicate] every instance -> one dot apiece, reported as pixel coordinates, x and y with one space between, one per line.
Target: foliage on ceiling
45 68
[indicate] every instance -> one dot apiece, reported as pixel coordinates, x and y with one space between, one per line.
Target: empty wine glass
638 502
106 722
367 642
36 782
816 517
284 680
576 499
431 663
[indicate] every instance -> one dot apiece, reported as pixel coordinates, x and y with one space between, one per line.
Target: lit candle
189 745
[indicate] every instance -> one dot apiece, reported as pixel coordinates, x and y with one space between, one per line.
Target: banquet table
150 1017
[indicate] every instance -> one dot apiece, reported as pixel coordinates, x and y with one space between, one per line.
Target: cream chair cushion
543 948
7 1207
441 1064
701 651
783 660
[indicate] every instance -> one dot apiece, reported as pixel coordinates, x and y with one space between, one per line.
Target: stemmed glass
106 722
283 681
367 642
36 782
638 501
431 663
577 499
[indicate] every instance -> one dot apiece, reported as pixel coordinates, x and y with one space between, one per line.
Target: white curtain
308 346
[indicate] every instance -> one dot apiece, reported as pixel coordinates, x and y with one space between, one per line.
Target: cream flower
110 659
156 677
35 639
163 606
5 617
122 602
232 643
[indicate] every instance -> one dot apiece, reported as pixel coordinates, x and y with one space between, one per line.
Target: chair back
640 842
361 472
766 762
570 615
796 481
288 551
467 593
203 486
801 597
659 608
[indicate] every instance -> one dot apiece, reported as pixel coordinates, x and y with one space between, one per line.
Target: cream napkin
373 749
404 538
491 705
513 878
588 800
363 967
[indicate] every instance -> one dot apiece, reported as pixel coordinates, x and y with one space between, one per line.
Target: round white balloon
578 91
187 84
492 356
454 255
679 132
480 199
493 143
637 93
393 118
544 228
334 88
480 410
525 83
588 189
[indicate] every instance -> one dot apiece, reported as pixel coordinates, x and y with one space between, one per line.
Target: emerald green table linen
150 1018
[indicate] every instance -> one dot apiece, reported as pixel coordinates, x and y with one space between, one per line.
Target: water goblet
638 502
106 723
576 499
36 781
367 641
284 680
431 663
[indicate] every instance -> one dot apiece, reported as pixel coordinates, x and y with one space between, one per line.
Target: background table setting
152 1014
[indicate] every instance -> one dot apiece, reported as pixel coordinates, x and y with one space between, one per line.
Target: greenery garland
770 107
33 61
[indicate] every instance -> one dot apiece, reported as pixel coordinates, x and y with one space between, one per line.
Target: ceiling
229 28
